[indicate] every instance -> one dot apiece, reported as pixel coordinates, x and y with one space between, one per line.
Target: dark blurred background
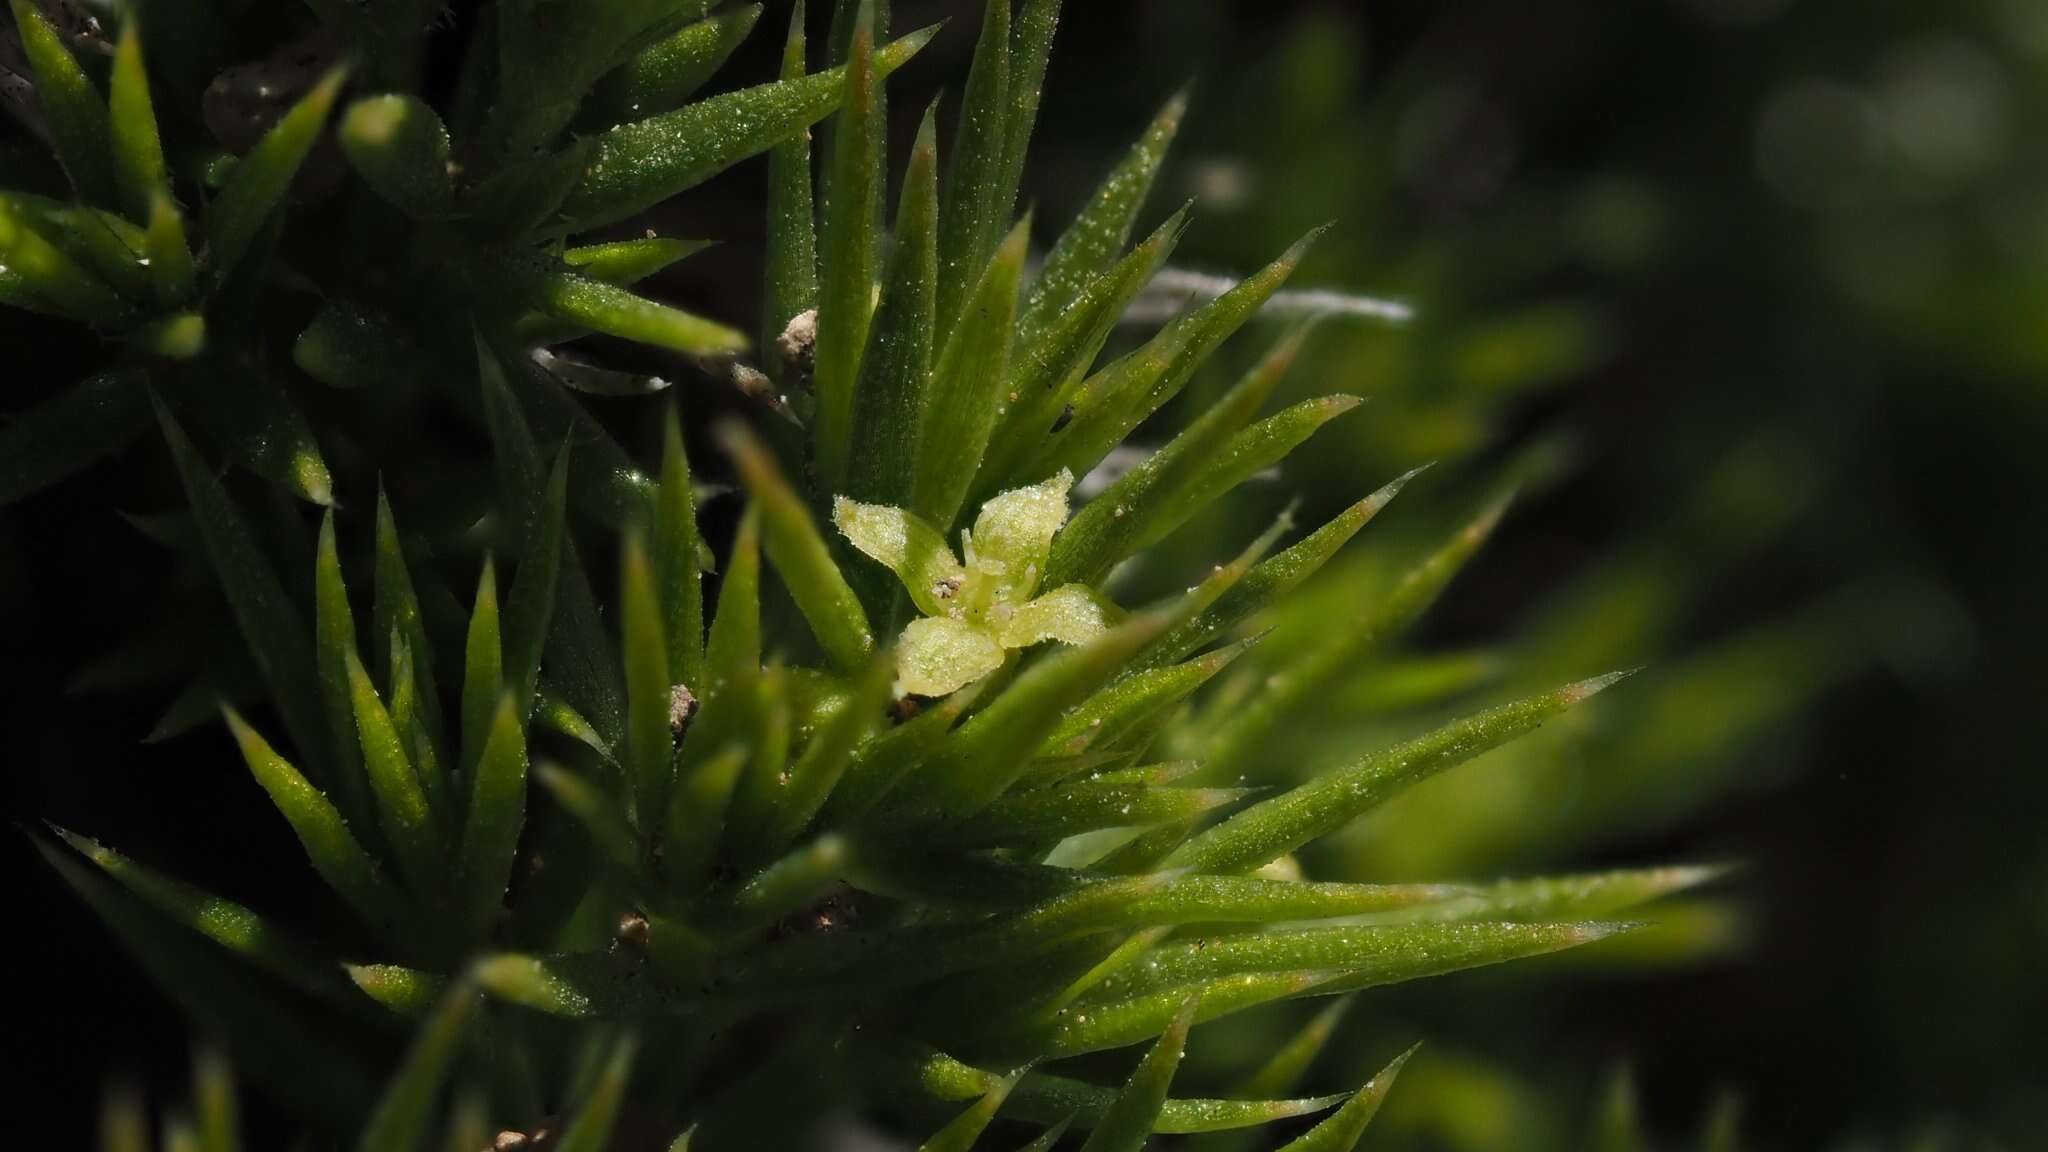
1758 291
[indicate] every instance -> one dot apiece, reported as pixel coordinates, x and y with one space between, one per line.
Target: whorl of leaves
868 817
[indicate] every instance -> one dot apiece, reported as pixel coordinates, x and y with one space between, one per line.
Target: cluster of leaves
838 836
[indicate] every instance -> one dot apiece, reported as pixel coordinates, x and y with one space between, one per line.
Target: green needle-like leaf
1091 244
1257 448
967 385
262 176
334 852
630 261
816 773
608 308
784 886
399 146
1107 715
1282 1071
976 203
574 985
269 622
1046 1140
170 255
635 166
138 155
1338 649
960 1134
669 71
65 434
733 654
530 607
800 554
1030 51
851 251
334 644
1272 828
402 1116
650 744
1253 900
570 629
696 819
105 247
791 287
42 275
1594 894
396 617
896 372
1171 485
601 816
232 926
483 667
880 764
1341 1131
1047 1099
1343 959
1130 1120
497 809
1044 373
590 1129
1054 814
408 716
298 1053
1274 578
71 105
677 573
402 809
1115 401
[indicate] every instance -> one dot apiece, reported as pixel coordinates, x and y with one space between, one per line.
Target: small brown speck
633 930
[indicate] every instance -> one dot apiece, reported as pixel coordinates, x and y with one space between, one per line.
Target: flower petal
1013 535
911 548
1070 614
939 654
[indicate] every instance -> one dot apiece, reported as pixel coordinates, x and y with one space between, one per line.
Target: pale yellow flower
978 610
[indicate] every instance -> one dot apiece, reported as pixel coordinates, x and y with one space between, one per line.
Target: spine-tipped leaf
497 809
1131 1119
976 201
71 105
800 554
896 372
1340 1132
791 287
260 179
649 746
403 1115
967 385
638 165
270 623
138 153
1271 829
333 850
851 251
1094 240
